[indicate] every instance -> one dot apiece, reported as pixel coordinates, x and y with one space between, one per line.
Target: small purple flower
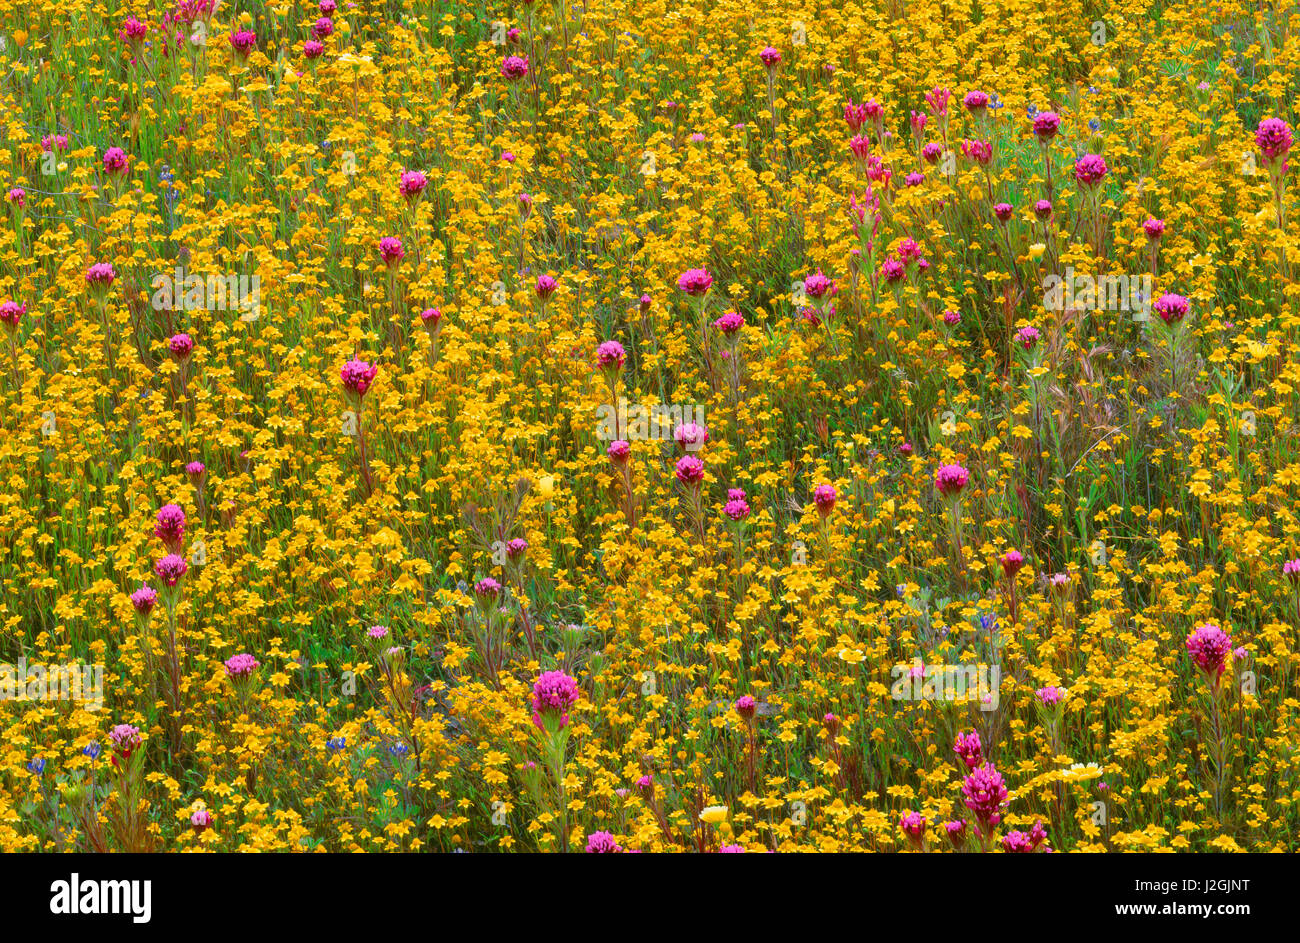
1171 308
1090 169
1209 646
100 276
169 526
730 323
736 508
818 286
695 282
241 667
690 471
115 162
602 843
170 569
143 600
619 451
357 376
545 287
514 68
554 693
243 42
391 250
690 436
1273 138
1046 124
610 356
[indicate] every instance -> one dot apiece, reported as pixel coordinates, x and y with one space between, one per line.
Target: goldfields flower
713 814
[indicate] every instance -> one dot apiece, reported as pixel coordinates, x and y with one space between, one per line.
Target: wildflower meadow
607 427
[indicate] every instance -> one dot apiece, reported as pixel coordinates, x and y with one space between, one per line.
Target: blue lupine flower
36 765
399 749
1031 112
1094 125
92 749
336 744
